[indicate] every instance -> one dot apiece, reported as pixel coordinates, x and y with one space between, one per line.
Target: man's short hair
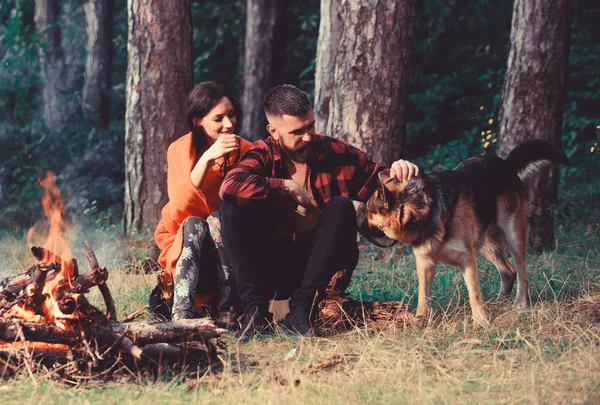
286 99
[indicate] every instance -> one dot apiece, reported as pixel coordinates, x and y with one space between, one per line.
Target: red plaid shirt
339 170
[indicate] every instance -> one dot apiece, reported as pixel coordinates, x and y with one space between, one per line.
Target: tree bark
98 67
371 77
533 99
159 77
53 67
266 36
330 32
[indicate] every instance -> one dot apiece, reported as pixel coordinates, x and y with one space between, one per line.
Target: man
287 215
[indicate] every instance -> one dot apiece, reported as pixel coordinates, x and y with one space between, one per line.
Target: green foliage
303 31
218 41
459 60
88 161
459 57
458 63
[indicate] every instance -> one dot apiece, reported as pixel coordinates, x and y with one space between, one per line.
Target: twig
28 358
111 310
91 256
136 314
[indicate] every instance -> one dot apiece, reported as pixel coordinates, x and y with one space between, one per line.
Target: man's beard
305 154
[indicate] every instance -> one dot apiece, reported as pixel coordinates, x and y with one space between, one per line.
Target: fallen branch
139 333
111 310
136 314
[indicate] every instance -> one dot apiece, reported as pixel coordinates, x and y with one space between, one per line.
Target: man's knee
231 213
342 207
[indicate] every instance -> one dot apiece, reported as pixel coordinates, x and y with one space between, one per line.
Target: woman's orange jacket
185 199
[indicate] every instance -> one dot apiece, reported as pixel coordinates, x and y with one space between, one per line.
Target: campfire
46 317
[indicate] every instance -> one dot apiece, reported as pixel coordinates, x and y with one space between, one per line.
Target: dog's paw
503 297
481 319
422 321
521 303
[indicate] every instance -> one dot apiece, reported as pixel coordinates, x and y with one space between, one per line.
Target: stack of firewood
46 318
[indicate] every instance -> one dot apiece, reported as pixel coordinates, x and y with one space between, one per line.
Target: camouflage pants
202 266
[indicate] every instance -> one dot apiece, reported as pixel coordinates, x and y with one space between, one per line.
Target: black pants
266 266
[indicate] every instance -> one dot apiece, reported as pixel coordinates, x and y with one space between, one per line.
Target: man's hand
298 193
404 170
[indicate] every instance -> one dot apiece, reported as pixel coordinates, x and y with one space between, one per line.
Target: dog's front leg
425 274
471 276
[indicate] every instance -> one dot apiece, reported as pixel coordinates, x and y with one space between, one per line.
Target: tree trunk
159 77
266 37
98 67
330 32
53 68
533 99
368 102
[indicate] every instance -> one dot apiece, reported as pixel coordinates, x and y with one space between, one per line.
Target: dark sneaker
298 321
255 321
228 319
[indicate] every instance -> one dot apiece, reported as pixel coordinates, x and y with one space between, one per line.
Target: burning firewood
44 311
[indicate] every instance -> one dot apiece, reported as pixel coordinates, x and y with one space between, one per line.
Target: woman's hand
224 144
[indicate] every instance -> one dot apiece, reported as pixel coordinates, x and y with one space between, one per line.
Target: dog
451 215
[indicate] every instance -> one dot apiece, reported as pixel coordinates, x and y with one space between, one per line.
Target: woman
189 231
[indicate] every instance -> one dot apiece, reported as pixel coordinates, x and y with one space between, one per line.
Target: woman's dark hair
201 100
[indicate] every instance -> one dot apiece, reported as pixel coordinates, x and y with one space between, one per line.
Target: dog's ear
390 182
384 176
416 205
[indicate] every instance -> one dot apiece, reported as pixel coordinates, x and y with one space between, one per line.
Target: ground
548 353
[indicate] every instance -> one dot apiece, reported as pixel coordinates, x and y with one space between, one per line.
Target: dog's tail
533 151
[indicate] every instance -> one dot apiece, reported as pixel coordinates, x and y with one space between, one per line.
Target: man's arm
364 177
248 183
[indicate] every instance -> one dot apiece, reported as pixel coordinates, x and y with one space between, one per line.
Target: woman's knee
214 227
195 225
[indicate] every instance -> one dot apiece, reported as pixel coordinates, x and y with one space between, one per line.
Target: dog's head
398 208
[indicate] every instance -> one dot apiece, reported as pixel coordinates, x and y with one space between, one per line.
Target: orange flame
57 237
56 243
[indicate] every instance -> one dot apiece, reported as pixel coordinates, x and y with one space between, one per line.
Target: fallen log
139 333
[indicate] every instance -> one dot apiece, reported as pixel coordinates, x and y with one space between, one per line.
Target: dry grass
549 353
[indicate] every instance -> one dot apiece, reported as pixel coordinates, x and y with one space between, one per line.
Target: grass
549 353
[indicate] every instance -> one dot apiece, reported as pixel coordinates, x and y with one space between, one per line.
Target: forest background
452 108
458 65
